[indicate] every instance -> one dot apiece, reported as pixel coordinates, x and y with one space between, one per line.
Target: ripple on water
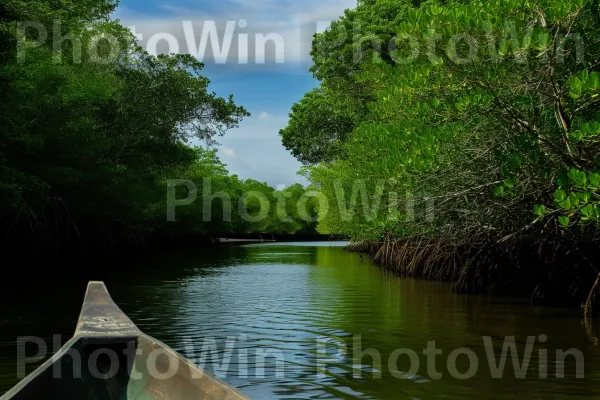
284 322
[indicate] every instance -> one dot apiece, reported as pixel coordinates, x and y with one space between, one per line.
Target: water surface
312 306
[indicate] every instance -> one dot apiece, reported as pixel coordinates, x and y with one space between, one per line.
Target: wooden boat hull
110 358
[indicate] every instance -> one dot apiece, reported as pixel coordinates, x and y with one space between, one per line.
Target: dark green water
302 303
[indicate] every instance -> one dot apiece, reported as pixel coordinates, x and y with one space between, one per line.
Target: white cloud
259 153
295 22
264 115
254 151
227 151
262 126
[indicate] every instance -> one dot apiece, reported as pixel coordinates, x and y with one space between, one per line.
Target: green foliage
87 142
319 125
490 132
324 119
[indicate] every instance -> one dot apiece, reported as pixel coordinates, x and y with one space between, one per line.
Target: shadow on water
314 307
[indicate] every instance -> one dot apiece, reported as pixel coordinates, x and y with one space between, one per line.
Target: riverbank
276 237
47 258
549 273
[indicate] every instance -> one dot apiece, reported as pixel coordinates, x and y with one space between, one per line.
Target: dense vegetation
92 128
471 141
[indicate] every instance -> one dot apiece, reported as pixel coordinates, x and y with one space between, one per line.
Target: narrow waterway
288 321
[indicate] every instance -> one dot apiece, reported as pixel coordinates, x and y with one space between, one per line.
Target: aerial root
587 309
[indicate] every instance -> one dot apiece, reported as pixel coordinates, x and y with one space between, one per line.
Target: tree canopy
479 135
92 127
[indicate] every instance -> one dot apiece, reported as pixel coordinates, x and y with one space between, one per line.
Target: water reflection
303 307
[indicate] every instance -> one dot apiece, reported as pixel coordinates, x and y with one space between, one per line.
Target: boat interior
109 358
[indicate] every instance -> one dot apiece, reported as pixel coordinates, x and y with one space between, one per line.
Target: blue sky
267 89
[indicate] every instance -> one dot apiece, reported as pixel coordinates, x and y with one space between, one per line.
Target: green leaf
487 26
565 205
543 40
578 178
503 48
594 180
584 197
574 199
576 136
576 85
510 182
560 195
587 211
564 221
593 82
539 210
